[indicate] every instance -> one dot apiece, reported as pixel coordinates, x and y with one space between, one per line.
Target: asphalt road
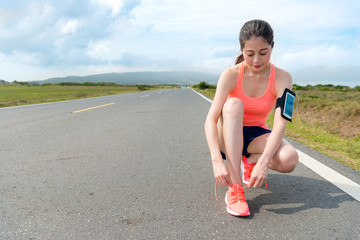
140 169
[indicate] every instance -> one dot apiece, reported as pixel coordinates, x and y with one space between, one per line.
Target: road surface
139 168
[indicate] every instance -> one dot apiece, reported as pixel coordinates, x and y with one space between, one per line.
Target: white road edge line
342 182
206 98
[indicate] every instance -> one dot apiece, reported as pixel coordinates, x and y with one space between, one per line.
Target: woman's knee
289 159
233 107
285 160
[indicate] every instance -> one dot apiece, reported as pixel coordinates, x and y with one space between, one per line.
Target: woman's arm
226 84
259 173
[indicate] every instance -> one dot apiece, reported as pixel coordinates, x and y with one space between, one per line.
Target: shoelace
237 194
243 187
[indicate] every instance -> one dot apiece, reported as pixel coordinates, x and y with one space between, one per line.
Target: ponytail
239 59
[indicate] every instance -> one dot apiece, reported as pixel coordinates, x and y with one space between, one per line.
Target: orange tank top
256 110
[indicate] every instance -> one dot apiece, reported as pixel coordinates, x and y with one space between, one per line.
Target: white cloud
68 26
25 58
214 65
165 35
318 55
98 50
115 5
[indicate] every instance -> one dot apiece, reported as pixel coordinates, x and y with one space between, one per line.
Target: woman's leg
230 128
284 160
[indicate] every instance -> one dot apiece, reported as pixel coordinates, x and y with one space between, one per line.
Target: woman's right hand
221 173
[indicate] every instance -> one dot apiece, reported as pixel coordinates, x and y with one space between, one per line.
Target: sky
41 39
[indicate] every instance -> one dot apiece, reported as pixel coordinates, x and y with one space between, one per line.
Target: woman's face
257 53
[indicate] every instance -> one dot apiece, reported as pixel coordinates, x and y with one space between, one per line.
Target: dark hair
254 28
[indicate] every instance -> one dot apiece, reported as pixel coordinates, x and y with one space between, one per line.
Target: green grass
15 94
344 149
327 120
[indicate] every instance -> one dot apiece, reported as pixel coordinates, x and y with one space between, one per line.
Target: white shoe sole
235 213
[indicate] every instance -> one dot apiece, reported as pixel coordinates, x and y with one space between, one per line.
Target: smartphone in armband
286 104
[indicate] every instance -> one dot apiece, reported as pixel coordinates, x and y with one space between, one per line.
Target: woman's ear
272 44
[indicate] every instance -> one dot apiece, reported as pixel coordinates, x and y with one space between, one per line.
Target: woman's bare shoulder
231 72
282 74
228 80
229 76
283 80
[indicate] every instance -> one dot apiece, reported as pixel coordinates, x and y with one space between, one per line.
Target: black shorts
250 133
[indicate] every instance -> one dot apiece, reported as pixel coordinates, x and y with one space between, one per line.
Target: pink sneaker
246 169
235 201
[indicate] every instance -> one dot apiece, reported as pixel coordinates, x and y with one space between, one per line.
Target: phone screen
289 105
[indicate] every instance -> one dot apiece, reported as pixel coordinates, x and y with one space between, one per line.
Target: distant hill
346 76
169 77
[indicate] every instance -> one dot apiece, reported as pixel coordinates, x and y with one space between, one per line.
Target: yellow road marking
93 108
144 96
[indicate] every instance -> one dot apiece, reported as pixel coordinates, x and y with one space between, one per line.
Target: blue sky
42 38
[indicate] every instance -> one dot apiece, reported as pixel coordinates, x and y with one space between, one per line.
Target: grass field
16 94
327 119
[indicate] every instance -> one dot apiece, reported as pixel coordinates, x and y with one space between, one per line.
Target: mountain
168 77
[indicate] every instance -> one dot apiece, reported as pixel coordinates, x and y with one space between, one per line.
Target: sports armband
286 104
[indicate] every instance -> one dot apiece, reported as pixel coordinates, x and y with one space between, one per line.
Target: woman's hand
258 175
221 173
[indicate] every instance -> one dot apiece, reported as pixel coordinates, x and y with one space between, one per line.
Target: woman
235 125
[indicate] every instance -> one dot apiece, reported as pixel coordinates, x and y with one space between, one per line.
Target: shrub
21 83
203 85
89 84
69 84
106 84
342 88
298 87
141 87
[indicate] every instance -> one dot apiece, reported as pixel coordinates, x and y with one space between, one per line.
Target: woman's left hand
258 175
